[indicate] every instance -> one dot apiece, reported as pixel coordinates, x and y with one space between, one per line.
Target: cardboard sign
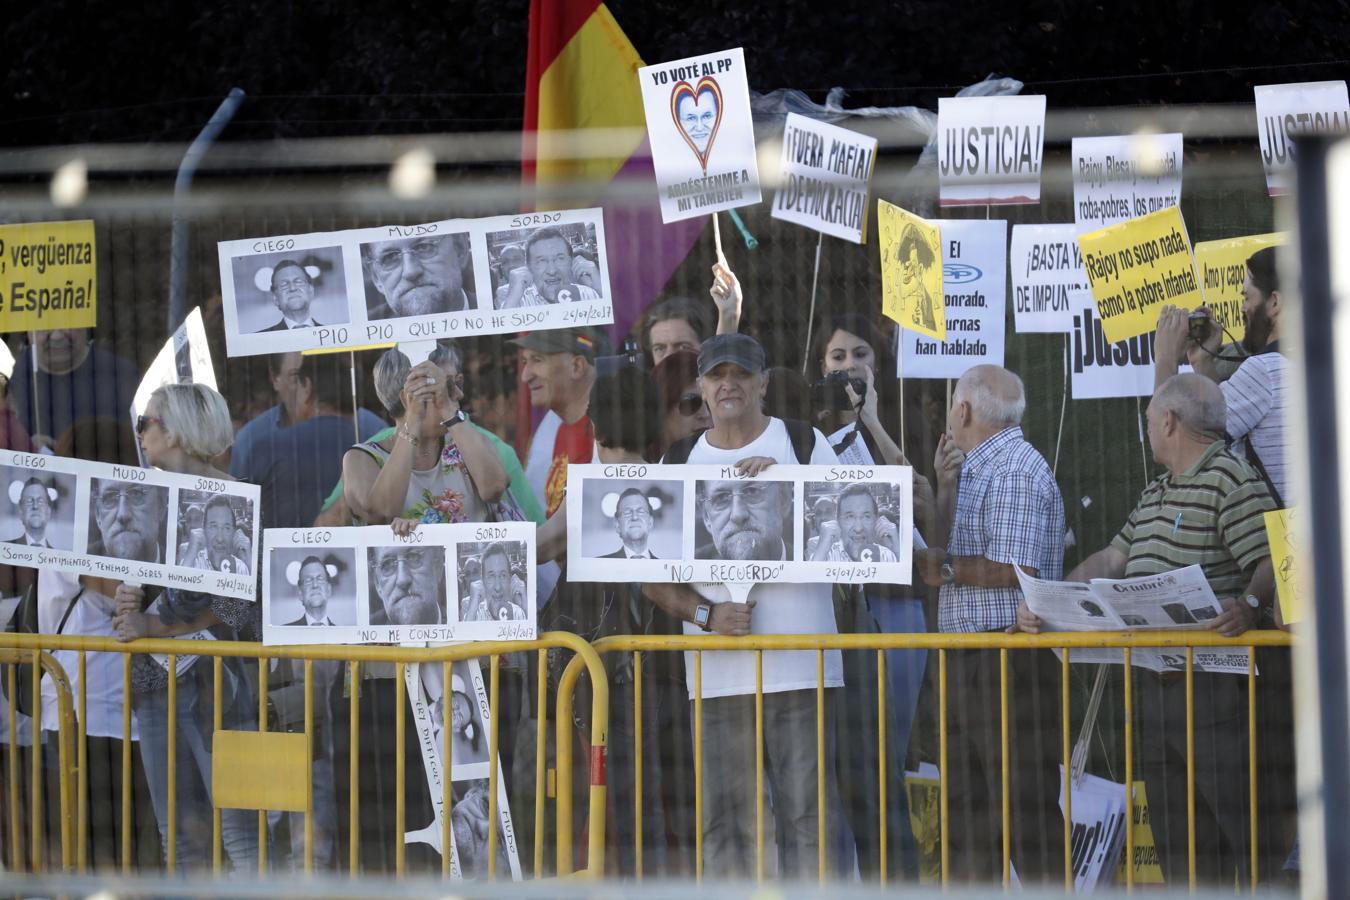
138 525
1048 280
701 134
1119 178
826 174
48 276
1102 369
990 150
1223 268
1284 112
455 278
1137 266
1281 535
911 280
681 523
367 586
975 291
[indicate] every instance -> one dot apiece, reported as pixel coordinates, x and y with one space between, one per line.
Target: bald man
1007 512
1207 509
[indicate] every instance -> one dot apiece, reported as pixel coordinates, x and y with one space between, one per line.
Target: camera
829 394
631 357
1200 327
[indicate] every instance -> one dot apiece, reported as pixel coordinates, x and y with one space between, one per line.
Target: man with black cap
558 368
732 381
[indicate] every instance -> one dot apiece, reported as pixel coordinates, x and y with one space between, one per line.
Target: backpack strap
678 453
803 438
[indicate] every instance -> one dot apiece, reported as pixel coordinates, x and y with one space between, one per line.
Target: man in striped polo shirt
1206 509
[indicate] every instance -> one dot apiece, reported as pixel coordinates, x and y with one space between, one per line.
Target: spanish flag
581 73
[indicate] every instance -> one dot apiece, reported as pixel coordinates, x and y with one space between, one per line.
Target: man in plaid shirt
1007 513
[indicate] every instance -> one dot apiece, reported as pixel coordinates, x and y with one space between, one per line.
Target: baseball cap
741 349
586 341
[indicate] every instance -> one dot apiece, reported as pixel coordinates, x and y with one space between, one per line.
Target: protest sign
701 134
186 350
1135 267
138 525
1101 369
990 150
911 280
1146 867
455 278
975 293
1098 828
812 524
368 586
1048 280
48 276
1281 535
1223 268
1284 112
465 701
826 171
1124 177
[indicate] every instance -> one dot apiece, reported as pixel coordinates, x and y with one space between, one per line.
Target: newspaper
1179 599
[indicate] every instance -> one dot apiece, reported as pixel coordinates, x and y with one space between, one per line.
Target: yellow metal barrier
640 645
73 836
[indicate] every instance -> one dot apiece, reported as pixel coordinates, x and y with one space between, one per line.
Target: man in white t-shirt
732 381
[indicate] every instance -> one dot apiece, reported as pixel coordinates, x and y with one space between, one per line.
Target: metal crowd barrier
639 645
32 649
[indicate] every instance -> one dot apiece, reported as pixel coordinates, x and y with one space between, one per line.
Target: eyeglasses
690 404
414 560
719 501
144 422
111 498
392 258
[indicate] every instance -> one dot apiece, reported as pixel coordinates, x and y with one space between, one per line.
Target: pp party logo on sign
697 111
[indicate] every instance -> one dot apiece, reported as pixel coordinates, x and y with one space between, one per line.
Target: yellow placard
911 271
47 276
1283 558
324 351
1137 266
1147 870
1223 266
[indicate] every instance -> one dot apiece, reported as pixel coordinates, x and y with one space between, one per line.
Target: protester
73 379
1208 510
679 324
12 434
684 412
1008 512
185 427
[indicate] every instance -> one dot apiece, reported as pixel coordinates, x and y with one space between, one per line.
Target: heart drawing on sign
697 111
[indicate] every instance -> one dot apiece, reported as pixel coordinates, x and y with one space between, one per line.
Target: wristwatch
458 418
1253 601
703 616
948 570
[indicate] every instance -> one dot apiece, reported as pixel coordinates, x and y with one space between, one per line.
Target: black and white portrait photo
311 587
290 289
458 705
215 532
469 823
407 585
748 518
41 508
851 522
417 276
492 581
632 519
550 264
127 520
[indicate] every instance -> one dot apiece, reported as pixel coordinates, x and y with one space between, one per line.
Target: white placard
990 150
1101 369
975 289
700 523
366 586
129 524
189 343
1048 280
826 172
395 283
1286 111
1124 177
701 135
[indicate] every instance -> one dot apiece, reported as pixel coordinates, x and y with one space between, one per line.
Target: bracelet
405 435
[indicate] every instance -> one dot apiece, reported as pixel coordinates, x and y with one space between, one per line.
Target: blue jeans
194 718
904 668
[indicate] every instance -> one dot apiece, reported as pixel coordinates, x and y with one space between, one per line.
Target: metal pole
178 248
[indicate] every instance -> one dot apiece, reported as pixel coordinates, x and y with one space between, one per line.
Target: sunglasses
689 404
144 422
